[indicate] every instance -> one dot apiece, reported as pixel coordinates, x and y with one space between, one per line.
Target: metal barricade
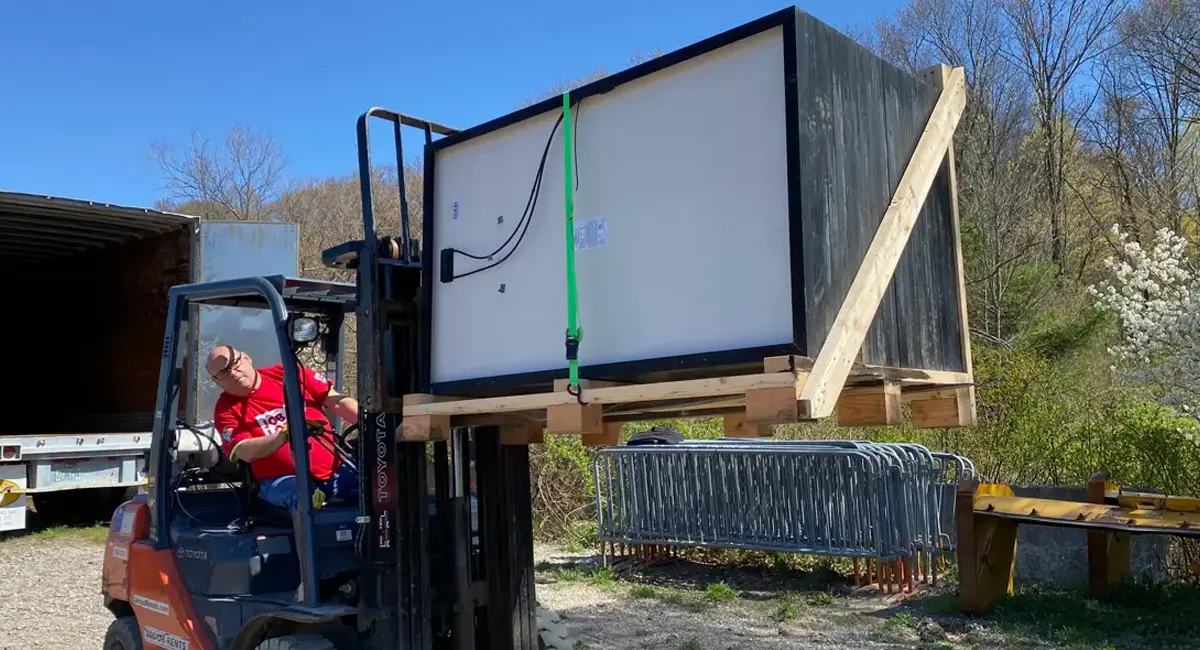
879 501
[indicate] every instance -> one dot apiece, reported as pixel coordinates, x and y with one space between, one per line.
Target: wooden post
949 407
609 436
736 425
585 419
1108 551
987 553
870 406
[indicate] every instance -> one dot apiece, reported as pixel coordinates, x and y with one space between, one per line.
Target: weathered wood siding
859 121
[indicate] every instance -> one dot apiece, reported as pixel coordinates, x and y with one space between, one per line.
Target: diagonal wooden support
837 355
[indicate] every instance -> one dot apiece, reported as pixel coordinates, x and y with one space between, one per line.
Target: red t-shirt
262 413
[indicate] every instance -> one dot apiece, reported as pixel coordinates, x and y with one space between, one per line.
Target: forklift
435 554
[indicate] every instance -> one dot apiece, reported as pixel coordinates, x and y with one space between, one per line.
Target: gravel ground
51 590
53 601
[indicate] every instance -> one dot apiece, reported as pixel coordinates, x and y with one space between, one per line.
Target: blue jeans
281 491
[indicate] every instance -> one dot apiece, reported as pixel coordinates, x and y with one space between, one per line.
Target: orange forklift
431 556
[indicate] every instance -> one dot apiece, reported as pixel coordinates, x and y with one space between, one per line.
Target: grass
787 607
719 592
820 599
900 622
599 576
712 596
1139 617
97 534
899 629
643 591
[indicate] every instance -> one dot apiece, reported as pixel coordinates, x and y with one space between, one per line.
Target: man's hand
344 406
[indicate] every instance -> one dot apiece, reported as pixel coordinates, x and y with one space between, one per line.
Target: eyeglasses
225 372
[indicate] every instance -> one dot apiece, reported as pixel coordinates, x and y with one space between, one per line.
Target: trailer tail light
10 452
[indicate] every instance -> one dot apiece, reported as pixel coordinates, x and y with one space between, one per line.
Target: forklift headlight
304 330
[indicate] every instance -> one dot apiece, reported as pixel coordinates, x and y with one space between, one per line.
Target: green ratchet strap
574 332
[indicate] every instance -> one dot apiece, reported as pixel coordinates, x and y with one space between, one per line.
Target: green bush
564 488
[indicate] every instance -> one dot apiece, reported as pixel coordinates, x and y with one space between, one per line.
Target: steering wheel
346 433
342 445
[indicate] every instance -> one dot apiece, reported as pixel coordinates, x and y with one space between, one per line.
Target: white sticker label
344 535
127 523
151 605
120 552
272 421
591 233
455 209
163 639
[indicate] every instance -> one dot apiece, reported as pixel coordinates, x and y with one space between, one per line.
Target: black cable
537 185
177 480
526 216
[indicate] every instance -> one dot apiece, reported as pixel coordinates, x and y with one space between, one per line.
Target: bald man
250 416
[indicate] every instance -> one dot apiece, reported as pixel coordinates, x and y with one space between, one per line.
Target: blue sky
86 87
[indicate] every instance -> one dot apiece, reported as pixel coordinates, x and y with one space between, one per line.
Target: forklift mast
466 595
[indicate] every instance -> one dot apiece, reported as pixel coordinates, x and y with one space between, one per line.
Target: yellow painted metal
994 489
1112 517
1156 501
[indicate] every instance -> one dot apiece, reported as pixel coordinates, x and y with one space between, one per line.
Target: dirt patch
687 606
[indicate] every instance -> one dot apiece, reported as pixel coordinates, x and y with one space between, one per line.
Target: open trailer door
231 249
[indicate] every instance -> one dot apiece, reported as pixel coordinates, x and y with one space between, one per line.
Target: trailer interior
83 335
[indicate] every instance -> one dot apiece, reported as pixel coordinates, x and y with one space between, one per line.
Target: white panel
682 190
235 250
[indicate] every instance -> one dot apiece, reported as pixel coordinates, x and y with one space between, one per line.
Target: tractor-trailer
83 331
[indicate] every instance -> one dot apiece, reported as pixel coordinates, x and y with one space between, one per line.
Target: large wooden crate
775 192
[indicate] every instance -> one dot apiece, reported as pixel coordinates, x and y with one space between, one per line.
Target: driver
250 416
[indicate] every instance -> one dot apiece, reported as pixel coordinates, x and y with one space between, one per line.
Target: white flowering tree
1154 293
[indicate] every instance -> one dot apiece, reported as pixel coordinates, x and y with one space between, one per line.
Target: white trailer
83 336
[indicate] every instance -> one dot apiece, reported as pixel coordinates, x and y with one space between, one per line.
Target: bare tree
1054 41
1159 77
1169 30
237 179
1003 247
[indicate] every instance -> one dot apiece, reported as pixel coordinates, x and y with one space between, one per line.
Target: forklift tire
297 642
123 634
552 633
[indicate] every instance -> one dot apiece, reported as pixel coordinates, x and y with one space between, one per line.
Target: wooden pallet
750 404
